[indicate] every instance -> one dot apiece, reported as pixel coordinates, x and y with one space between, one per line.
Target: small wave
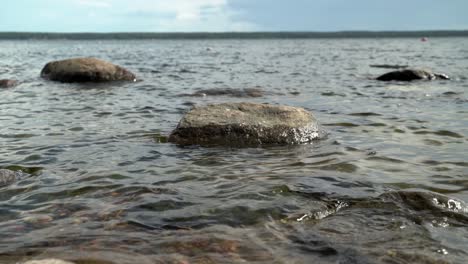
246 92
389 66
365 114
445 133
433 203
266 71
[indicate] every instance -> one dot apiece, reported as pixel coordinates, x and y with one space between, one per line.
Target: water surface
389 185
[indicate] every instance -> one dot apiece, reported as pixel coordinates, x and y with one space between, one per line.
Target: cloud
93 3
184 9
196 15
180 15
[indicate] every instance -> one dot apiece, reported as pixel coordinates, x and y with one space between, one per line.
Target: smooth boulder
85 70
239 124
408 75
8 83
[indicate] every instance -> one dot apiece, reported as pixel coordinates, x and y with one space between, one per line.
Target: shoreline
231 35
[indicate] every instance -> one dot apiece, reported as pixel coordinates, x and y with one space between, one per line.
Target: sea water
101 183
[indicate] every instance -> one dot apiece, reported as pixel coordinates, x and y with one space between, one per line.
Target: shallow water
389 184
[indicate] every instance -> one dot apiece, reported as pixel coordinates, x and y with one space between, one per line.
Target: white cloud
182 8
172 15
193 15
94 3
166 15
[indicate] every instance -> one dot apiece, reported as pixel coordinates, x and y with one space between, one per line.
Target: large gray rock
411 75
239 124
8 177
7 83
85 70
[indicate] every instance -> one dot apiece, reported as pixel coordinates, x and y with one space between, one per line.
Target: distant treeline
233 35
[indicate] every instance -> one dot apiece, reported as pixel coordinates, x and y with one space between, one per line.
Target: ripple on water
102 186
17 136
413 217
28 170
444 133
342 124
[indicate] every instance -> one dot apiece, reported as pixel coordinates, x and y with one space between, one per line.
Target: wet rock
8 177
8 83
425 200
247 92
38 219
85 70
48 261
239 124
197 245
411 75
400 256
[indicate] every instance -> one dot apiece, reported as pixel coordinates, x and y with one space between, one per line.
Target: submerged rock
239 124
8 177
411 75
48 261
85 70
426 200
8 83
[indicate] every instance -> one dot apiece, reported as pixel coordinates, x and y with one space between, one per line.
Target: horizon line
236 32
230 35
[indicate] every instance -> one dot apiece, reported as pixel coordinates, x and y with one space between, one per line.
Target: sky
231 15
